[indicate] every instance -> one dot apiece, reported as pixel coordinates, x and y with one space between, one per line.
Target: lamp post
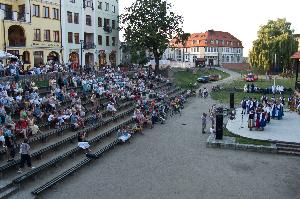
81 52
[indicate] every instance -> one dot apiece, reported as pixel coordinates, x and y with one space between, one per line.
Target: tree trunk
156 58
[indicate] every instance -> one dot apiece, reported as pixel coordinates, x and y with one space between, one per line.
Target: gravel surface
172 161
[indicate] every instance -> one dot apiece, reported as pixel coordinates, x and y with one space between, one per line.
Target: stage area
285 130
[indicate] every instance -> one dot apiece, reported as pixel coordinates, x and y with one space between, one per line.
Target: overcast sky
241 18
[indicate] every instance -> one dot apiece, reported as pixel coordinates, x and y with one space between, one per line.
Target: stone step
8 192
288 145
293 149
285 152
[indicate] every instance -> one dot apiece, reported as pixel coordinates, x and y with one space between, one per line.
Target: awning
296 55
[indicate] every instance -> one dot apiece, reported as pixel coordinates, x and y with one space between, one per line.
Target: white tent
6 55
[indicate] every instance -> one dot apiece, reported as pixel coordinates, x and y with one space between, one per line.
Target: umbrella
6 55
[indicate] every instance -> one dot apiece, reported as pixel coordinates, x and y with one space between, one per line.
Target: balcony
107 28
89 45
16 16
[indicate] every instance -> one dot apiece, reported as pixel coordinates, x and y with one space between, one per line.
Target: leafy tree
274 46
149 25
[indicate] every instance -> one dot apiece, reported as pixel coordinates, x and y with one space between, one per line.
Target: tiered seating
56 146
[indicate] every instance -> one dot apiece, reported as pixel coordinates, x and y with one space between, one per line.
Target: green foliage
274 46
149 25
244 140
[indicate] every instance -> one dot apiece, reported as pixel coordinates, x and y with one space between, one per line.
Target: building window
114 9
76 38
36 10
70 17
100 5
46 12
89 3
106 6
113 41
76 18
55 13
56 36
72 1
88 20
107 40
227 59
70 37
37 35
100 39
46 35
113 24
99 22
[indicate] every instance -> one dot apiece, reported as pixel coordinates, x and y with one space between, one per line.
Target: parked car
250 77
203 79
214 77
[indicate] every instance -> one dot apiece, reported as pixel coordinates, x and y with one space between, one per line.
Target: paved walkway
285 130
172 162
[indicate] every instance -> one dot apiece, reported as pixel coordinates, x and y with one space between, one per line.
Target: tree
274 46
149 25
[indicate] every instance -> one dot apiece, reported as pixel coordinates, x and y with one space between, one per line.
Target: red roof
210 38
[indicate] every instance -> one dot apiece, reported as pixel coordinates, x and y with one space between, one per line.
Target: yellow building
297 36
31 30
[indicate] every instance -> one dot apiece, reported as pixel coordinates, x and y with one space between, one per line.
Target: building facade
90 34
297 36
213 47
31 30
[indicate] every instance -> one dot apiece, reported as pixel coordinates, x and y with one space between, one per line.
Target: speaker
219 127
231 100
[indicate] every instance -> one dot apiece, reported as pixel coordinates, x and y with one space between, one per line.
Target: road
172 162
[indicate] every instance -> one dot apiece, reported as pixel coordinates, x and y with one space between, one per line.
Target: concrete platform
285 130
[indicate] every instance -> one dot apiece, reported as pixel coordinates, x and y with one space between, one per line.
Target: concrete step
287 145
8 192
285 152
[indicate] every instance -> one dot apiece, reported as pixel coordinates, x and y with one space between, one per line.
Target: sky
241 18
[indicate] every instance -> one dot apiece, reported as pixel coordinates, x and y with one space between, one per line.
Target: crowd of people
24 108
252 88
261 111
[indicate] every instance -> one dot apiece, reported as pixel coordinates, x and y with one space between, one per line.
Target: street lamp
81 52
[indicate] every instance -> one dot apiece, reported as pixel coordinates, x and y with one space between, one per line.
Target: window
88 20
114 9
55 13
46 35
76 38
100 5
70 37
89 3
100 39
76 18
36 10
38 57
106 6
46 12
113 41
72 1
113 24
37 35
56 36
70 17
99 22
107 40
106 23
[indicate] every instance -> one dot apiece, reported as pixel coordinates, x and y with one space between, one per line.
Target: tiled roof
210 38
296 55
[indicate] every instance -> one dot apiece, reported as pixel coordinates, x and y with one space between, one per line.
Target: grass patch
243 140
186 78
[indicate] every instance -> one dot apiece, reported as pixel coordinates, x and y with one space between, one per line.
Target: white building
211 47
90 32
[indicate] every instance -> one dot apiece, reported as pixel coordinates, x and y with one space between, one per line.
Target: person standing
25 155
203 118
